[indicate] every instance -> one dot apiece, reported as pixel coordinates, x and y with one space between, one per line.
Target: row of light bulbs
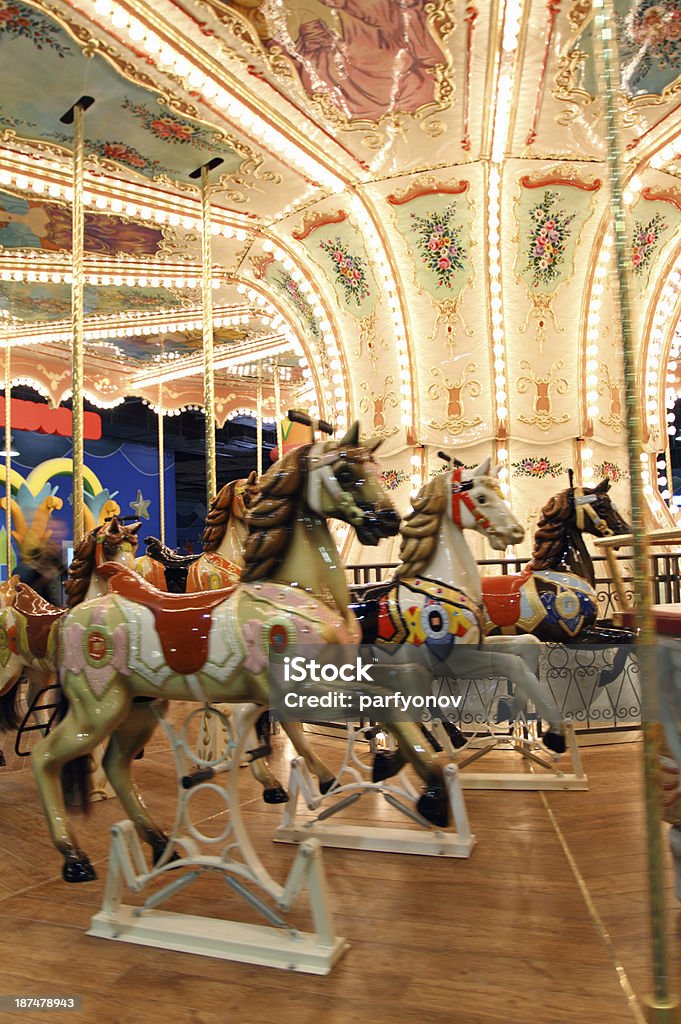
105 280
146 207
664 311
196 80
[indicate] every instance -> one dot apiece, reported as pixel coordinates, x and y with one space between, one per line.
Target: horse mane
420 529
84 561
271 516
549 536
80 570
218 517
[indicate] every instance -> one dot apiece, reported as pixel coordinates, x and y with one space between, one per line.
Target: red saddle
40 616
501 595
183 621
667 619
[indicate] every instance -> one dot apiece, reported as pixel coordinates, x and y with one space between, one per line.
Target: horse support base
283 947
428 841
548 778
231 856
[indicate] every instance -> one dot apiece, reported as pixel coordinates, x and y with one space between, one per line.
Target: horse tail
75 774
10 716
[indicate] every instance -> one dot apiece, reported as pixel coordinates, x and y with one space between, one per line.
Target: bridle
461 497
584 503
100 554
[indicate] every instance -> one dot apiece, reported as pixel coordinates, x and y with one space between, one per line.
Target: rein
584 503
321 477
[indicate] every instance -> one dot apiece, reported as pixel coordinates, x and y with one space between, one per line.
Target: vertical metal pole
258 423
8 455
76 116
662 1006
277 408
77 299
161 468
208 367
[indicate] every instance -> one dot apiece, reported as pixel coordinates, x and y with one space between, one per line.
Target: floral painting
393 478
611 470
547 239
650 40
19 20
349 270
440 244
538 467
291 289
645 242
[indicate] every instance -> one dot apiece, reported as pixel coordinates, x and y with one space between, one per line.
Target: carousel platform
546 922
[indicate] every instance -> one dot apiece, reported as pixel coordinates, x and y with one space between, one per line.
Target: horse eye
482 500
345 477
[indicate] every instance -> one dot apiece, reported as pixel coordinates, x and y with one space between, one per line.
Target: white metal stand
426 840
278 944
546 776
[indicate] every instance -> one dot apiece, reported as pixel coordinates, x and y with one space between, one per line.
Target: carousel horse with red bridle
121 652
554 597
434 601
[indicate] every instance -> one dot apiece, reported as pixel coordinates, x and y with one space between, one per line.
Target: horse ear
373 443
252 477
351 439
113 526
135 528
604 486
483 468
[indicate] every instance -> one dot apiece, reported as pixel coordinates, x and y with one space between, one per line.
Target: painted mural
655 219
41 302
29 224
150 139
332 47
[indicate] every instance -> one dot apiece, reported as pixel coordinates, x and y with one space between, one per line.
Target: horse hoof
278 795
139 755
430 739
456 737
80 870
159 846
326 785
434 806
386 764
3 761
555 741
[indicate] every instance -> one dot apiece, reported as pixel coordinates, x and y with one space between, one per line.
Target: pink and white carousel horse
434 602
119 652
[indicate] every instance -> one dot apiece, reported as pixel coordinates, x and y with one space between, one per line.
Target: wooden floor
545 923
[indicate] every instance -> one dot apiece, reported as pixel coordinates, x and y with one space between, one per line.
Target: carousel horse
434 601
121 652
224 537
554 597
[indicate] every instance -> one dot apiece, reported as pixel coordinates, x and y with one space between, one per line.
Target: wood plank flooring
503 937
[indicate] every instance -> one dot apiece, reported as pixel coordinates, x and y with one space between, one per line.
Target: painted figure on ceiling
372 57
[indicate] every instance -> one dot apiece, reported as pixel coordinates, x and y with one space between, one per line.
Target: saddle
501 595
182 621
40 617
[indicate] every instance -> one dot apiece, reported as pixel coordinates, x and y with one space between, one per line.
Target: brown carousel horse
136 642
554 597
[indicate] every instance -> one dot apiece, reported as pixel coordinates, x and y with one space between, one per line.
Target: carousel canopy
411 218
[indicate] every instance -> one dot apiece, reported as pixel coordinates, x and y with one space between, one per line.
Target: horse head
116 542
478 504
595 512
343 483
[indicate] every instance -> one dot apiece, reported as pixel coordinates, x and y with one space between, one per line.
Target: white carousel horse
120 652
435 600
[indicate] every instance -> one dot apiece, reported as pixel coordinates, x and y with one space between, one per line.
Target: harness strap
584 503
461 497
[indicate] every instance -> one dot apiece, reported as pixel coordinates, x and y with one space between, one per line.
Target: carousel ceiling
411 214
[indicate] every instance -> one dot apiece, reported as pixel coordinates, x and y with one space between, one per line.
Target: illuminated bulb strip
417 463
501 120
190 367
165 56
664 311
130 280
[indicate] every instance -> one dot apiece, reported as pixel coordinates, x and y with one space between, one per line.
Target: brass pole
207 302
8 456
661 1007
161 468
258 424
76 117
277 408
